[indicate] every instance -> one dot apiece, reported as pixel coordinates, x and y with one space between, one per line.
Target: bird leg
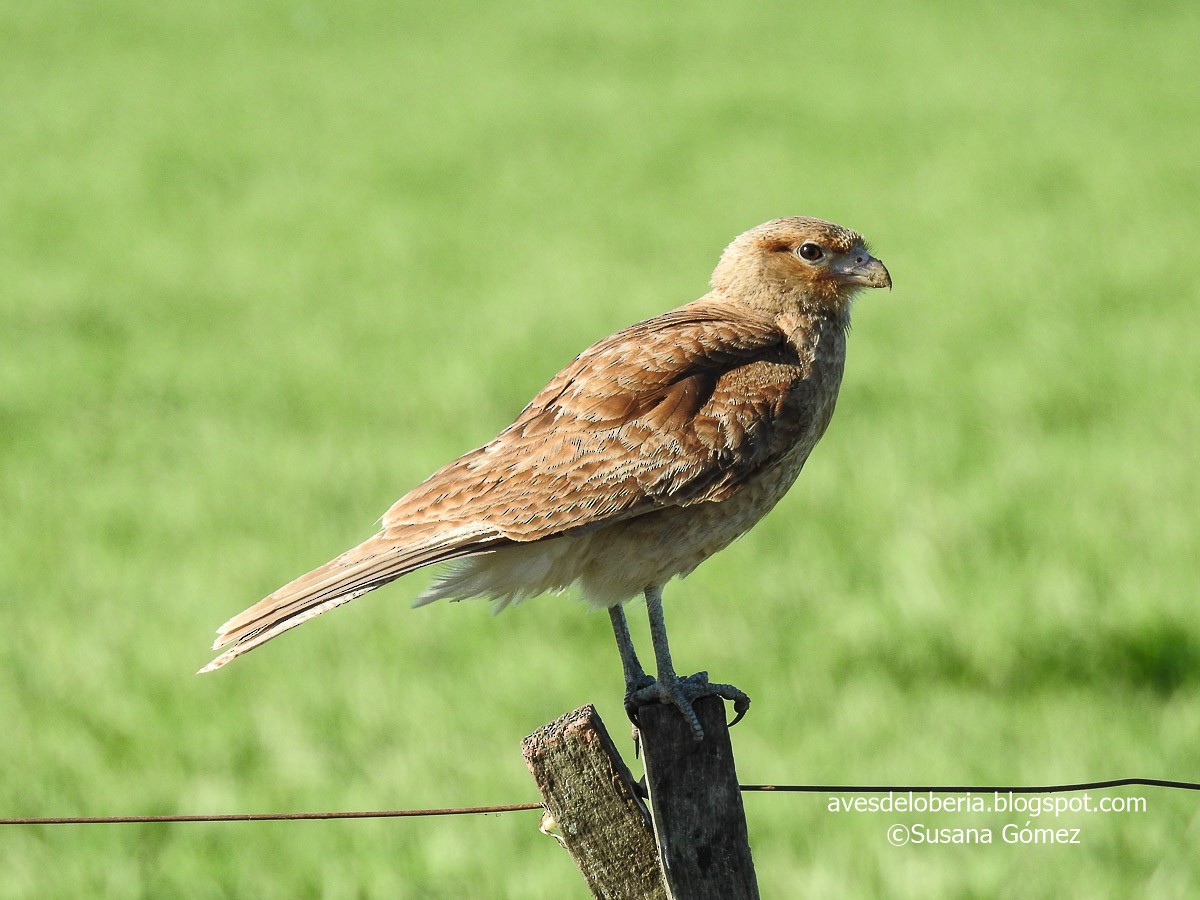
669 687
635 676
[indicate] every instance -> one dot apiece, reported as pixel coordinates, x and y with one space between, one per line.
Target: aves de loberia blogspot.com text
1031 818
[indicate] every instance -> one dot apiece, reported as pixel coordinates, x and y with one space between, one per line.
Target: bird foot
633 690
682 693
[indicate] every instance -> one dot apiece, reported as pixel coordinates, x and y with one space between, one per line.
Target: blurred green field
264 267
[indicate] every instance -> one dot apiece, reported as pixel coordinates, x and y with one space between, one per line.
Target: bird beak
870 273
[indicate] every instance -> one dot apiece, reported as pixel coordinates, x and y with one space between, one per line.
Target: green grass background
265 266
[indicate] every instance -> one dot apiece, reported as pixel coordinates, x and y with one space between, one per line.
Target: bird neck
817 305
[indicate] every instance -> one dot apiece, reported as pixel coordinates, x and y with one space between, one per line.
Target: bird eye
810 251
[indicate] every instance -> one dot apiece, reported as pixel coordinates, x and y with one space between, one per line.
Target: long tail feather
381 558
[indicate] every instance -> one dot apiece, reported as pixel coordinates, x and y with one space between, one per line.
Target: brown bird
654 449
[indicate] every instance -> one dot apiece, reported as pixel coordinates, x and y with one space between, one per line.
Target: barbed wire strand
275 817
521 807
973 789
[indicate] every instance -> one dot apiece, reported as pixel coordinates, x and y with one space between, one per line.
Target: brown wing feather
619 432
675 410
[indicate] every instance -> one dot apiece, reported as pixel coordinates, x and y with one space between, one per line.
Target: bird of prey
652 450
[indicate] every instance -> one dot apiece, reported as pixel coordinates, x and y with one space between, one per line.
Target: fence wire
521 807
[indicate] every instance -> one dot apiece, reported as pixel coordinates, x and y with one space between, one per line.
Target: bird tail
379 559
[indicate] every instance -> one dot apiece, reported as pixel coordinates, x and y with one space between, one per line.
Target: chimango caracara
651 451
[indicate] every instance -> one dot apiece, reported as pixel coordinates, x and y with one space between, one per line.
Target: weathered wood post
690 845
593 806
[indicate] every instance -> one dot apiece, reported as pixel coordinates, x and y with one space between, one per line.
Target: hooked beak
870 273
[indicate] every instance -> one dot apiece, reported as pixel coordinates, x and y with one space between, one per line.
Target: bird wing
675 410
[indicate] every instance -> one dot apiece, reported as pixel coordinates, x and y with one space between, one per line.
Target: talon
739 699
632 703
740 707
673 693
681 694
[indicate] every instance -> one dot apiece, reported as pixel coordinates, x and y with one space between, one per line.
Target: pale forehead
796 230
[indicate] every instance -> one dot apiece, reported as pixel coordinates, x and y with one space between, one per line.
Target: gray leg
658 635
669 687
635 676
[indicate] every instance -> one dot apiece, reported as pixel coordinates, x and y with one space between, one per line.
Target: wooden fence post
696 804
593 806
692 846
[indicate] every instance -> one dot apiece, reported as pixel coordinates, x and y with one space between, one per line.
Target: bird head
798 262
